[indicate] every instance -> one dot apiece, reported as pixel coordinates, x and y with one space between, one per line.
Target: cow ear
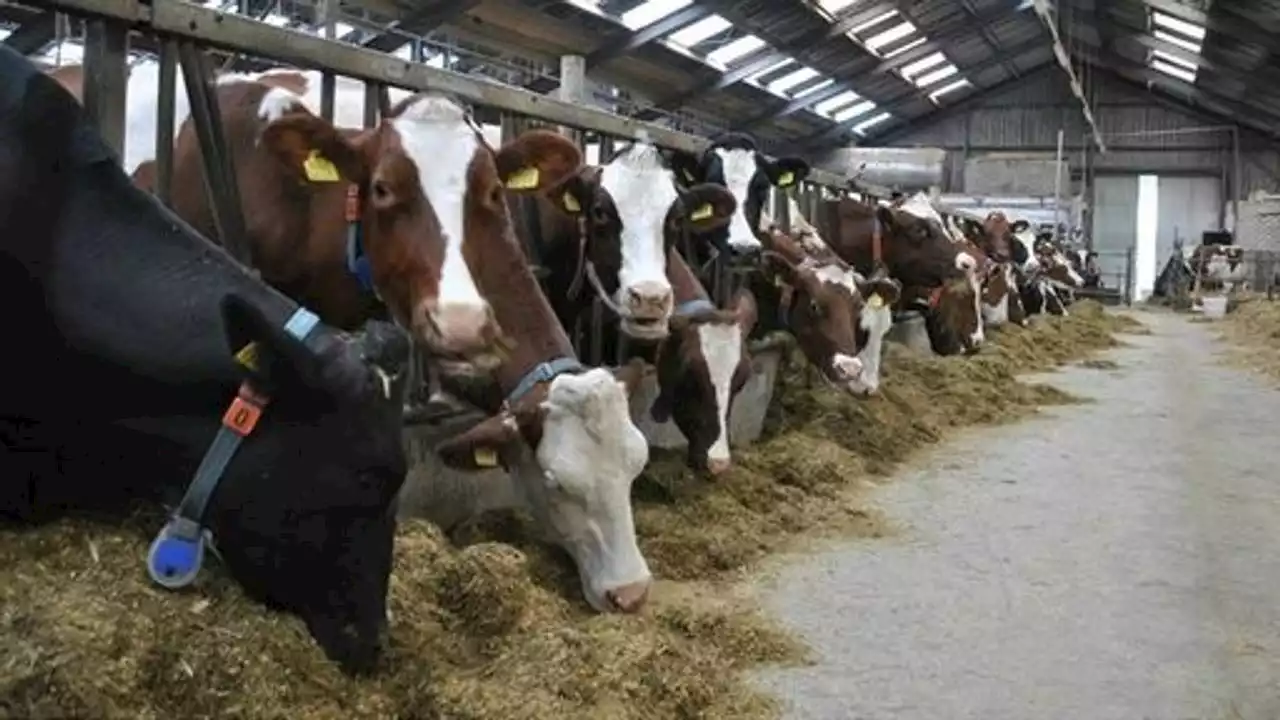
885 288
783 271
784 172
1020 226
573 195
537 161
686 167
708 207
745 311
315 150
481 447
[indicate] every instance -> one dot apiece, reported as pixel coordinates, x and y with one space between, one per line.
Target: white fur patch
437 138
276 103
590 453
920 206
975 283
998 314
643 192
721 346
836 275
876 321
739 169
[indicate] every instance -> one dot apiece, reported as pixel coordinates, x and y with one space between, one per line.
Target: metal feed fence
1113 284
194 40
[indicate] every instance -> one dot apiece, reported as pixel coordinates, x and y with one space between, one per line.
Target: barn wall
1025 117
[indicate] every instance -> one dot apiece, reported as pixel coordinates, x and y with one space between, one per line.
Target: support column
106 77
327 14
573 88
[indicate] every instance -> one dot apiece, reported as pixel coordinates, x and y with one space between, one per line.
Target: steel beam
940 37
238 34
619 47
420 23
798 104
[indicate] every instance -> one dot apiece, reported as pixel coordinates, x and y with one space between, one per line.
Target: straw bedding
495 628
1252 328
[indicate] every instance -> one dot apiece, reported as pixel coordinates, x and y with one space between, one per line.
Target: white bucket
1214 307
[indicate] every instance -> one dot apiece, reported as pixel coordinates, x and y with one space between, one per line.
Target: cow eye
815 308
599 216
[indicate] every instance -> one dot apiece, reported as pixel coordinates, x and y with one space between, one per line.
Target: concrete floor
1115 560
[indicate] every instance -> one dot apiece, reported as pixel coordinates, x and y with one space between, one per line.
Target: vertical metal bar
219 174
1057 187
1237 180
573 88
106 75
165 111
372 103
327 14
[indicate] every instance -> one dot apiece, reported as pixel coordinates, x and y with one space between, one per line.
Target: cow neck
542 350
691 298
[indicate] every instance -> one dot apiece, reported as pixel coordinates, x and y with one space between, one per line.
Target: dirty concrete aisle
1113 560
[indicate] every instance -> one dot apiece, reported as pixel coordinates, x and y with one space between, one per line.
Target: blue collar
543 372
176 554
694 306
357 262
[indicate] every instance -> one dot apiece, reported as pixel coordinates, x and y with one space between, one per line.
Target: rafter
420 23
618 47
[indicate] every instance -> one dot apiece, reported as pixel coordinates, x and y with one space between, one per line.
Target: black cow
122 324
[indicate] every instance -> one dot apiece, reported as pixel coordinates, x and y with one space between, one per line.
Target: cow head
998 235
917 250
823 301
733 161
303 516
1054 263
701 368
1001 301
633 212
432 200
586 452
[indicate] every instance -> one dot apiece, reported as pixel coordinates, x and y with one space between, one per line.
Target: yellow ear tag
318 169
525 179
485 457
786 179
702 213
248 356
875 302
570 203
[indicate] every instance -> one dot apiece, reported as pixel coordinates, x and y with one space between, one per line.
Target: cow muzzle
846 371
467 331
647 310
718 466
629 598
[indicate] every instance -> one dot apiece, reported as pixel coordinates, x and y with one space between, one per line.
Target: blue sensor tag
175 557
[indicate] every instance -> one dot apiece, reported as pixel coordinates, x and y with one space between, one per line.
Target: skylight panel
771 69
942 73
835 103
922 64
1179 26
949 88
1173 70
903 48
850 113
792 79
893 34
734 50
827 82
651 12
405 52
65 53
835 6
1175 60
873 22
4 33
699 31
862 127
1178 40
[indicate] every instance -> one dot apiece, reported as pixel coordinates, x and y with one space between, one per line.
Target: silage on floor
497 629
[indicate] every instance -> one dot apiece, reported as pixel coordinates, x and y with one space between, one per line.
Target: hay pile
496 629
1252 326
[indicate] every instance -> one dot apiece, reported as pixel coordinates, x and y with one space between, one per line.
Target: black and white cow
130 326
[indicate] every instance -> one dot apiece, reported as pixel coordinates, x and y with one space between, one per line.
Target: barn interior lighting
770 70
732 51
936 76
832 7
922 64
831 104
651 12
1180 33
699 31
949 88
903 48
792 79
886 37
811 89
1173 70
850 113
862 127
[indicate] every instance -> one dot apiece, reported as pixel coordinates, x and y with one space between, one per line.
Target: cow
937 276
702 366
1047 277
350 222
992 244
562 431
839 318
1220 267
608 230
733 161
137 321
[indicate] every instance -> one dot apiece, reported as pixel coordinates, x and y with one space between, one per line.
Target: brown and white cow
412 198
610 233
702 366
562 431
1221 267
